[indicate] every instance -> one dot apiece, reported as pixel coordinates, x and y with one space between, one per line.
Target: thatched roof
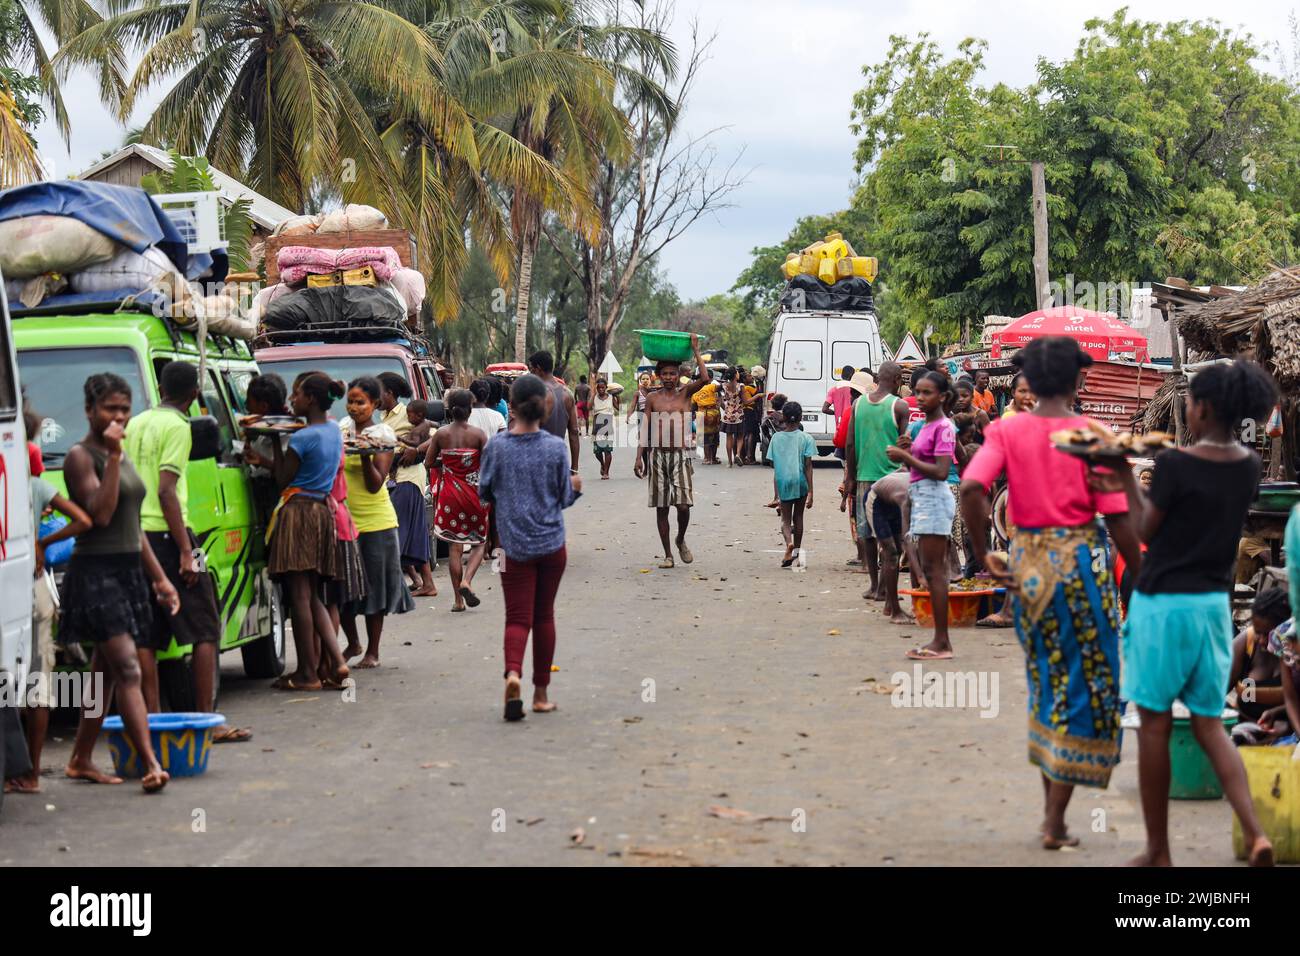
1262 321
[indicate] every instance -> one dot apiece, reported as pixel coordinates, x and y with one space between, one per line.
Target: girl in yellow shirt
366 473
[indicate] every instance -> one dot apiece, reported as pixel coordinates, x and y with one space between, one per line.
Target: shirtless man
888 508
665 451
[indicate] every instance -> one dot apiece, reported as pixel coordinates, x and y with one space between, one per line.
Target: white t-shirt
488 419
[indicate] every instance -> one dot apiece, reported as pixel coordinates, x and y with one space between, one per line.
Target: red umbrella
1099 333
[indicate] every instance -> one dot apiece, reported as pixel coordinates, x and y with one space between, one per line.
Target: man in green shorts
879 420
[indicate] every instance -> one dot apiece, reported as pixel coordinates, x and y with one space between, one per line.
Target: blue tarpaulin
126 214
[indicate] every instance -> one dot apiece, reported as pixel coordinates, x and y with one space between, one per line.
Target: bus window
215 401
801 360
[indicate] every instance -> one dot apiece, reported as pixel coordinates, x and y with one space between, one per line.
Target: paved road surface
763 700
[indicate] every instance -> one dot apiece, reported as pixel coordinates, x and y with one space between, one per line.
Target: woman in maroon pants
527 478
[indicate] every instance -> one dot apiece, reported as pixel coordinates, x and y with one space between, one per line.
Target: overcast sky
781 80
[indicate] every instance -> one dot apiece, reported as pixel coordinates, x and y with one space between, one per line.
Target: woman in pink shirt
1065 604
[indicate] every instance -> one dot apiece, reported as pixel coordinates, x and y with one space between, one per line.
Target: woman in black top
106 597
1178 636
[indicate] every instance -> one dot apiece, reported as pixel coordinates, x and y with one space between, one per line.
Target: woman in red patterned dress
460 518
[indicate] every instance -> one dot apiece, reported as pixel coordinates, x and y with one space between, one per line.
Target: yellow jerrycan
1274 778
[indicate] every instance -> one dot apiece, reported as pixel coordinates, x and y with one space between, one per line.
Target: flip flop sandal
470 597
786 562
925 654
235 735
515 704
457 610
988 622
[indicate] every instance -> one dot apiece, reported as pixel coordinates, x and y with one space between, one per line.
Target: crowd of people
919 471
1115 582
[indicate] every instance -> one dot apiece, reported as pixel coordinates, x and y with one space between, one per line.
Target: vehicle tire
176 685
264 657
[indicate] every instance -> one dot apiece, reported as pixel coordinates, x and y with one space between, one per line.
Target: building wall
128 172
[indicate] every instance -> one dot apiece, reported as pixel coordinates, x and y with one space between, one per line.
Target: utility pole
1042 283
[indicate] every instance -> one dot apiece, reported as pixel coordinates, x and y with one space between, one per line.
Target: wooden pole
1042 292
1180 427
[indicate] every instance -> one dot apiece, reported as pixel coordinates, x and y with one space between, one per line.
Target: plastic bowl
181 742
660 345
963 606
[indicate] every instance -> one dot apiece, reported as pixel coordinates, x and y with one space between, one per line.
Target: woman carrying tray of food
1065 605
369 449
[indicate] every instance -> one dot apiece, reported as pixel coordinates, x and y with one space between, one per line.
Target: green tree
352 99
21 47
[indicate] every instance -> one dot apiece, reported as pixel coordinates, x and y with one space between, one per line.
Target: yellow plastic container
834 247
843 268
1275 789
791 267
865 266
826 271
808 263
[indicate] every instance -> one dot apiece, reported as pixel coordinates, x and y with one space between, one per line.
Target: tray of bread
1096 442
270 424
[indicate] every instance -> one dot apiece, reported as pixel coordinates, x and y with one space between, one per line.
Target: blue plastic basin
181 743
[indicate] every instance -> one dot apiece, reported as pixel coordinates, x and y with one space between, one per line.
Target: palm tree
529 66
288 90
21 46
18 160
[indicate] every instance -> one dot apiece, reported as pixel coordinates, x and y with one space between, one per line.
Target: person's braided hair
1272 605
103 384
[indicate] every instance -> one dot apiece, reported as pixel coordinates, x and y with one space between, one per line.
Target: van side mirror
205 438
437 411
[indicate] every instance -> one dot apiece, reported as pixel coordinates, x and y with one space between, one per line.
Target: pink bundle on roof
382 259
411 285
296 263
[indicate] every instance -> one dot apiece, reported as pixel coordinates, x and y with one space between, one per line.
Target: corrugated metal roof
1117 392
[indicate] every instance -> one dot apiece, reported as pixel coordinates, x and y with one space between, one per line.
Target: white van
17 536
808 351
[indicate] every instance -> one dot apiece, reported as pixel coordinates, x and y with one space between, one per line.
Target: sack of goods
814 273
127 269
33 245
353 218
410 285
298 226
337 306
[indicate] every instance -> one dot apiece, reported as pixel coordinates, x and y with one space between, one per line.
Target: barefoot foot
91 773
1261 854
368 662
155 780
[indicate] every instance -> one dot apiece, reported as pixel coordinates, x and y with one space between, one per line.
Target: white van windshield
53 380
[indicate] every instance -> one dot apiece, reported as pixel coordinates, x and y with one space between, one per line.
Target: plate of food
270 424
364 445
1096 442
